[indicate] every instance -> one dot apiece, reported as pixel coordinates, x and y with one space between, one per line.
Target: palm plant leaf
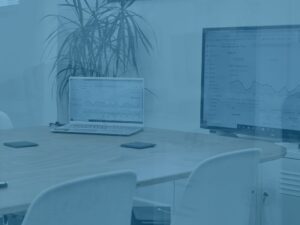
100 39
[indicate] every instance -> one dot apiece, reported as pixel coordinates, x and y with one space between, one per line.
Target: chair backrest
220 191
102 199
5 122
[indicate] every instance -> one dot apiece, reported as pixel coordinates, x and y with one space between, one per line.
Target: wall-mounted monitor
251 80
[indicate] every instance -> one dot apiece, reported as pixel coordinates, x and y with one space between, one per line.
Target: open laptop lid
106 100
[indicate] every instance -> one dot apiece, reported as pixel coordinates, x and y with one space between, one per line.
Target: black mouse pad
138 145
20 144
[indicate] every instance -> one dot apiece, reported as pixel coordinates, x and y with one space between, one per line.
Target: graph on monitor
251 78
107 100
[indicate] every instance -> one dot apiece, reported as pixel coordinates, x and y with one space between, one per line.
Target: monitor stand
252 137
224 133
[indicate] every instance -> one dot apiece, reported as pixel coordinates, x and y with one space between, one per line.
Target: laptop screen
115 100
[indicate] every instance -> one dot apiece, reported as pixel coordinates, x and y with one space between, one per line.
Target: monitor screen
115 100
251 79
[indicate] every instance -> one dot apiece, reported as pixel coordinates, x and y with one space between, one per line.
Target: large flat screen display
251 79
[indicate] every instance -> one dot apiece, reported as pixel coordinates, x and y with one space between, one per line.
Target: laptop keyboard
99 129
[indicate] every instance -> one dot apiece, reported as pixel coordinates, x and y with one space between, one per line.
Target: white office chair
103 199
221 191
5 122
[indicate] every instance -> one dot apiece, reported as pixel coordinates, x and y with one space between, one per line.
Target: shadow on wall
22 98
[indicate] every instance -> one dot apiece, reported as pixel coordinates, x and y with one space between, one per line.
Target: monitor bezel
255 130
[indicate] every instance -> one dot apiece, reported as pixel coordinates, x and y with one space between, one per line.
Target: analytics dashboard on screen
251 78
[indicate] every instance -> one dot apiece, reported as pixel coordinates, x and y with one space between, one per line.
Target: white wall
173 71
24 93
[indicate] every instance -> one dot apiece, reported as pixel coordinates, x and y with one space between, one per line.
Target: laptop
111 106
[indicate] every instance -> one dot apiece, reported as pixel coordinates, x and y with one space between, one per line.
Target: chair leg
12 219
5 220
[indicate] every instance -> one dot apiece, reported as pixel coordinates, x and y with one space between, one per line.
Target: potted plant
97 40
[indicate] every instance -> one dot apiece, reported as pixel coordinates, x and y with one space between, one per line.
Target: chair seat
219 191
100 199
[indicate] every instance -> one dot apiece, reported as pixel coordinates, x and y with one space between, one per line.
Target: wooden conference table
60 157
